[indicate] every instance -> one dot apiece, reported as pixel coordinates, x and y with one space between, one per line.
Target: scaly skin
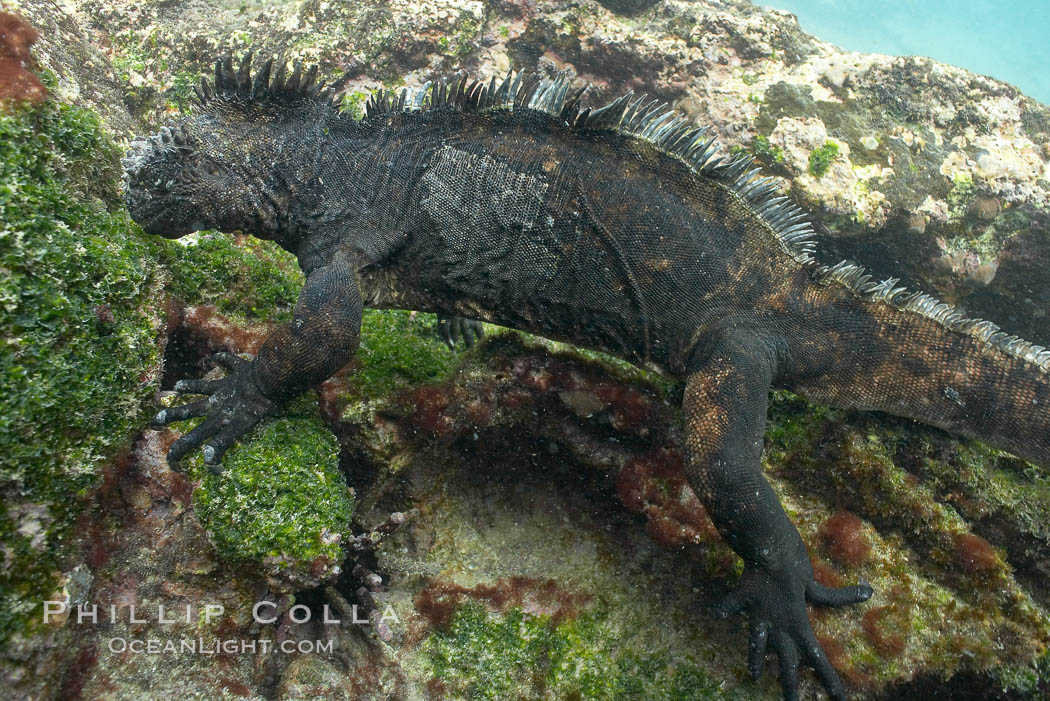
613 229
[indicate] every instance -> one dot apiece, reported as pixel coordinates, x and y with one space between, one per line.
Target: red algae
631 411
825 574
976 554
17 82
220 332
436 689
430 402
836 653
667 531
78 672
655 485
438 601
630 485
331 399
843 536
235 687
874 625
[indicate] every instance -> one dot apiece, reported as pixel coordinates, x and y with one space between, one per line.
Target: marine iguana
617 228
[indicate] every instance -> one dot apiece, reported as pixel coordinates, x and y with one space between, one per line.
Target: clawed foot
453 328
234 404
776 601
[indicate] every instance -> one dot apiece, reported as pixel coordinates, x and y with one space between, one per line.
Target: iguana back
516 219
610 240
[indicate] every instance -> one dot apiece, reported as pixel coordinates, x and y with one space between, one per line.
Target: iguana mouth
159 219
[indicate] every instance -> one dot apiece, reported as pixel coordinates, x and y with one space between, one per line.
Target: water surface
1006 40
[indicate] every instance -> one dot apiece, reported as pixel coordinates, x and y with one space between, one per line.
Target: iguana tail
865 345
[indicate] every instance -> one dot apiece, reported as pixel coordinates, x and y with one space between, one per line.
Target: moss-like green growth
180 95
354 103
520 655
243 276
398 349
465 40
281 493
767 152
960 196
793 423
995 486
820 159
130 54
78 340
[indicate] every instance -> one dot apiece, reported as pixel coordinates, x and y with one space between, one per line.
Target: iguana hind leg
726 397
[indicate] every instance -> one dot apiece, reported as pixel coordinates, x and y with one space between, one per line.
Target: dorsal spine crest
641 117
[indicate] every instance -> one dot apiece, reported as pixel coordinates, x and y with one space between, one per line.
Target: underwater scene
524 349
1003 40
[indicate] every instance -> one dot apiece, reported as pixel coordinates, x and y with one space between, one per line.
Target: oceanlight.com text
199 646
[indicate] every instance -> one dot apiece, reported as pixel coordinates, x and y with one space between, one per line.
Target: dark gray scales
617 228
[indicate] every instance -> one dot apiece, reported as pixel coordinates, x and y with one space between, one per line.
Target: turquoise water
1007 40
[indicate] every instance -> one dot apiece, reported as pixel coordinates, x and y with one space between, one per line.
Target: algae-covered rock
81 342
240 276
281 500
871 496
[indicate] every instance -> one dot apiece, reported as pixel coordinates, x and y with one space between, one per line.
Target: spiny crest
857 279
272 82
674 134
461 94
638 116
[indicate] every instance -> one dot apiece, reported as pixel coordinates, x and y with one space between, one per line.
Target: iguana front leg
726 397
321 338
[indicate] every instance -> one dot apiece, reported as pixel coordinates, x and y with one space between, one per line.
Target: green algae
131 53
1026 683
244 277
507 342
960 196
767 152
398 349
488 656
79 347
281 493
793 423
157 80
353 102
820 159
461 44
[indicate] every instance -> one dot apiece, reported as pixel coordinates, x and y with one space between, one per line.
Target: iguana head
188 177
239 161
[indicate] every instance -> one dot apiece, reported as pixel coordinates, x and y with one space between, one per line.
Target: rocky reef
511 521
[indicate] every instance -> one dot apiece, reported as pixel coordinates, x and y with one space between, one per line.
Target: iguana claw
233 406
451 328
776 601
